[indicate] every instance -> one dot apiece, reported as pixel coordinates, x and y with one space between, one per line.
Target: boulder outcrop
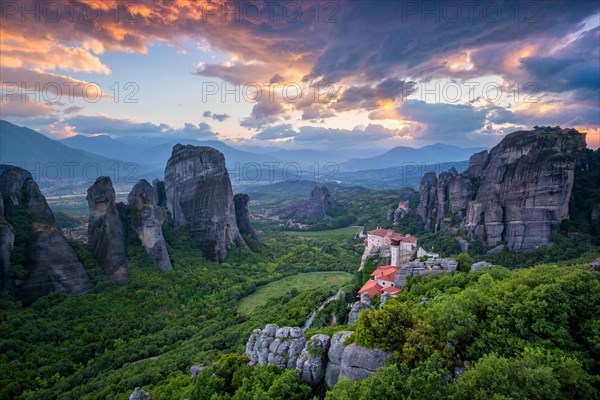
478 266
106 236
139 394
200 199
312 210
518 193
148 219
359 363
357 307
275 346
334 355
312 363
321 357
428 267
50 263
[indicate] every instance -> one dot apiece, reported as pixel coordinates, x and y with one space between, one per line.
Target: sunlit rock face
517 194
106 236
200 199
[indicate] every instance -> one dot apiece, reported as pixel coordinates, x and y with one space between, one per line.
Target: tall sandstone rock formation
312 210
242 216
106 236
518 193
200 199
148 219
50 263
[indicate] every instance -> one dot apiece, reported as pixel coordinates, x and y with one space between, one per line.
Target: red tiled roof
409 239
397 237
385 272
371 287
391 290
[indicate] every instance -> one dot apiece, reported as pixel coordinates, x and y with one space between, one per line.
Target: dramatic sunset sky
372 74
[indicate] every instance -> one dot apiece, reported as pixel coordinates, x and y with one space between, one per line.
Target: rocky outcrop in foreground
312 210
139 394
200 199
334 356
148 219
429 267
50 263
321 357
357 307
359 363
518 193
312 363
106 236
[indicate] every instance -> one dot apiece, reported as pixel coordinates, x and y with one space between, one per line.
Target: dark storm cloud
577 66
380 38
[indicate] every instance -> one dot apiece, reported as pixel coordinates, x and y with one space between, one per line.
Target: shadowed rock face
106 236
242 215
312 210
428 200
200 199
517 194
7 242
51 262
148 219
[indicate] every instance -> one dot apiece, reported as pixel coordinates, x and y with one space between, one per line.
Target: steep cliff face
517 194
312 210
427 209
148 219
106 236
7 242
200 199
50 263
242 216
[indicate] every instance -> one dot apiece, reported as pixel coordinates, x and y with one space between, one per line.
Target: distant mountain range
155 151
73 163
54 165
401 155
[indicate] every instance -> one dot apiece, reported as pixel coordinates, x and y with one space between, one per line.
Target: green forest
527 328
